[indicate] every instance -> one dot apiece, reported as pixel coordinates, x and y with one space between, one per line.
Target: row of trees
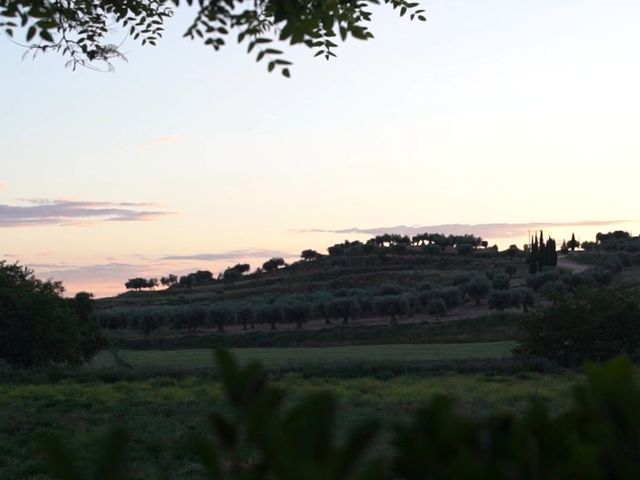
389 300
429 243
200 277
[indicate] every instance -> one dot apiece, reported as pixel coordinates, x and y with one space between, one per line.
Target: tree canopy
38 326
80 29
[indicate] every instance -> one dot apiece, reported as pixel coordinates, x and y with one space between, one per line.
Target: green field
326 356
167 411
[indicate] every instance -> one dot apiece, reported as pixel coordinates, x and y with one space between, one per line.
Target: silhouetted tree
310 255
38 326
169 280
140 283
573 243
231 274
273 264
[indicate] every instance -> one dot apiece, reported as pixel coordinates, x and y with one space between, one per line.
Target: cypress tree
533 256
541 252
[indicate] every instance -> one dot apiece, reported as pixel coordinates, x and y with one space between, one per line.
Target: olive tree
297 313
220 315
478 288
391 306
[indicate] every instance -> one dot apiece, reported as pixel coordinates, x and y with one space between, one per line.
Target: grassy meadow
166 411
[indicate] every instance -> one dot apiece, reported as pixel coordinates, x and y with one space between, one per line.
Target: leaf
31 33
286 73
45 35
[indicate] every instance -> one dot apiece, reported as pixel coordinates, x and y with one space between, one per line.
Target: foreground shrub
266 436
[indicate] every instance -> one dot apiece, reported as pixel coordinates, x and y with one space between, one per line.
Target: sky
494 117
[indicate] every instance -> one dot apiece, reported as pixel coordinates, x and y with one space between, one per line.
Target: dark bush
592 325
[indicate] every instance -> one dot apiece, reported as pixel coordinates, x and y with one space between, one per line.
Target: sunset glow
185 159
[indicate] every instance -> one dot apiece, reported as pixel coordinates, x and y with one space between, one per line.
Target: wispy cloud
37 212
485 230
230 255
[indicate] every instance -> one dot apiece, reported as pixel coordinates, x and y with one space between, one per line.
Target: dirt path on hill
564 261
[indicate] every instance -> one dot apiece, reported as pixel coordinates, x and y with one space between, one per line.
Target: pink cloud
38 212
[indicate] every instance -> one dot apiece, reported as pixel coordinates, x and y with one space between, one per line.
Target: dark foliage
38 326
592 325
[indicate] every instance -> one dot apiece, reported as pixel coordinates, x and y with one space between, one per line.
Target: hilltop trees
273 264
169 280
231 274
140 283
573 243
195 278
309 255
38 326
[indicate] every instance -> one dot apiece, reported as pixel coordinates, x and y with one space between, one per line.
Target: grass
167 411
278 358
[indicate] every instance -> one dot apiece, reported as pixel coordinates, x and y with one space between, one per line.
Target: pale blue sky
426 124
